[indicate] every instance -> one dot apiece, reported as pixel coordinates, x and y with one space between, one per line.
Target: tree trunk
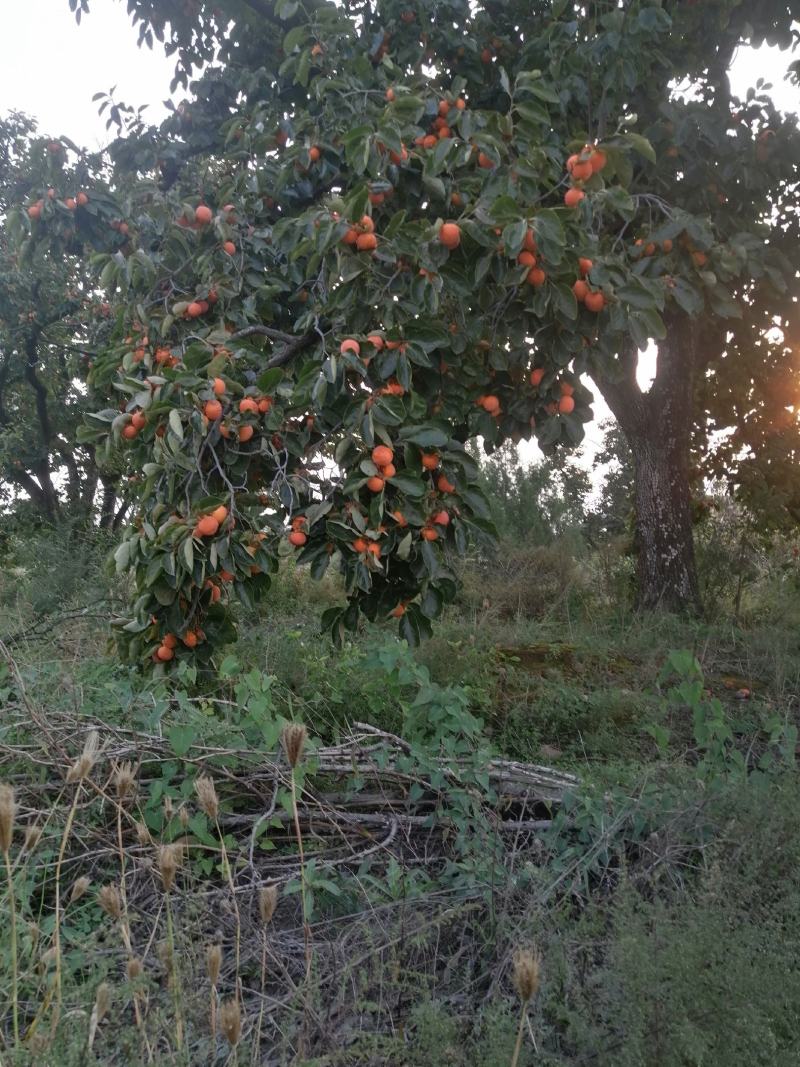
666 575
657 426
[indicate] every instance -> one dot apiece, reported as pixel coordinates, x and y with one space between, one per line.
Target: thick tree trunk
666 575
657 426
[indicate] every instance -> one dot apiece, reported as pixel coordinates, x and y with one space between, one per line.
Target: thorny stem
57 928
12 914
520 1032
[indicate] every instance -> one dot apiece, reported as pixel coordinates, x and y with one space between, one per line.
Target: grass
662 900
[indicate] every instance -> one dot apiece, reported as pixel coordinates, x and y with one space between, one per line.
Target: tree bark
657 425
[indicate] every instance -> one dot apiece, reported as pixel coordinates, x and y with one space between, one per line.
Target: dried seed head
102 1000
82 767
183 817
526 973
142 834
124 779
267 902
213 962
293 739
230 1021
79 887
207 796
8 809
110 901
169 858
134 968
169 808
33 835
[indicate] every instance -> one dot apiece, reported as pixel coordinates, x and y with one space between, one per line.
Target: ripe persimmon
429 533
194 310
203 214
390 94
526 259
375 340
573 197
190 639
138 419
536 376
206 526
450 235
585 265
82 199
220 514
598 160
580 289
247 403
218 385
399 518
566 405
212 410
164 653
129 432
529 241
314 154
381 455
229 248
360 544
297 538
35 211
430 461
398 612
581 170
595 301
388 471
484 161
366 242
566 388
491 404
375 484
536 277
443 485
350 345
441 518
245 433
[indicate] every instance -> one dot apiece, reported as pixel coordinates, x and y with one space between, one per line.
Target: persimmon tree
375 231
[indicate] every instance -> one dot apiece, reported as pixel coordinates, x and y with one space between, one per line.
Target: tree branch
292 343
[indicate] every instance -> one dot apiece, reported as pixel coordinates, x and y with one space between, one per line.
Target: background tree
50 321
377 237
536 502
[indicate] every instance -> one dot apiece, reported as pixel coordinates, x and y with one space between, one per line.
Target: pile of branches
270 827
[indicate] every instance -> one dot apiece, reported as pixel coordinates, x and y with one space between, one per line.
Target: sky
50 68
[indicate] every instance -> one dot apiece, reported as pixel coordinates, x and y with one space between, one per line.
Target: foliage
312 132
538 502
51 319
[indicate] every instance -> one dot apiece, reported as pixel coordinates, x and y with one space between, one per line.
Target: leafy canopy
288 298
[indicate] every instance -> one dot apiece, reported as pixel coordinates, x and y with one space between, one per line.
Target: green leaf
408 484
424 436
641 145
175 423
181 739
